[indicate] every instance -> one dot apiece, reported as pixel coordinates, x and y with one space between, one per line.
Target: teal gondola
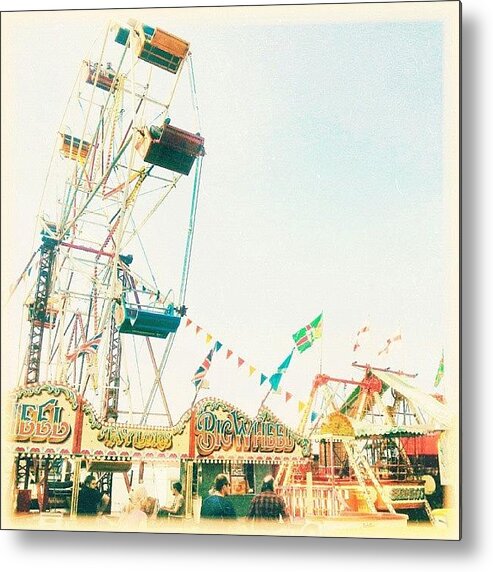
141 320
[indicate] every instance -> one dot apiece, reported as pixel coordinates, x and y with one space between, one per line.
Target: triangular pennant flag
241 361
218 346
208 338
313 416
275 379
229 353
188 322
288 396
197 329
262 378
301 406
252 370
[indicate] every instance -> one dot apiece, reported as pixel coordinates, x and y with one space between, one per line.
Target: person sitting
91 501
178 507
217 505
133 515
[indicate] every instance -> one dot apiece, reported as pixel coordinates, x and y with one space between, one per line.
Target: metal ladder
429 513
359 476
376 483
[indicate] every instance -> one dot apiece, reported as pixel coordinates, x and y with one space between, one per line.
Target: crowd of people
266 506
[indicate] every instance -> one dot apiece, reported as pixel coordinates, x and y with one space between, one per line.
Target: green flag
439 375
305 337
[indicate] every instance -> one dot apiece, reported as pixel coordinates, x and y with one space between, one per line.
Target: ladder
376 483
429 513
359 476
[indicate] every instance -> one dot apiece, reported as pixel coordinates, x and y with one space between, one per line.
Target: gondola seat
156 46
140 320
169 147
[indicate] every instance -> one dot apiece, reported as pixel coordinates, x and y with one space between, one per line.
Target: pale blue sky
322 189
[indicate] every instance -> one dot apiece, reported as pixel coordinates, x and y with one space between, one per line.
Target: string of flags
363 330
389 342
306 335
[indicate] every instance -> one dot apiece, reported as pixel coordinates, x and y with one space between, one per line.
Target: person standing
91 501
217 505
268 505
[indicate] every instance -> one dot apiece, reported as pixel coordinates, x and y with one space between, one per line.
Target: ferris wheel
101 305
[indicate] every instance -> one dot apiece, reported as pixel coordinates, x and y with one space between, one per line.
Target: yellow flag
252 370
208 338
301 406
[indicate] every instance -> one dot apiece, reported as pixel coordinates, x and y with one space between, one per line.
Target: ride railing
321 501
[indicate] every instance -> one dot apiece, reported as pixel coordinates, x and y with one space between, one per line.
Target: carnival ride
377 448
121 159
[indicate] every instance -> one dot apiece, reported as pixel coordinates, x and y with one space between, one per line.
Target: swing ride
100 321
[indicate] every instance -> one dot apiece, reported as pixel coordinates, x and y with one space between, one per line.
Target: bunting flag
440 372
362 330
389 342
89 347
203 369
313 416
229 352
275 379
305 337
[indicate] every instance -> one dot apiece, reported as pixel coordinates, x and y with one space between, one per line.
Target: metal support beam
38 312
